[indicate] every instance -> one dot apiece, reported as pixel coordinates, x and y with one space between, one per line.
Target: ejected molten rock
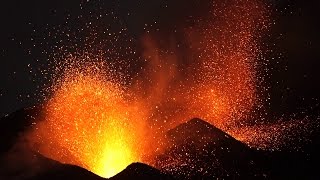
88 123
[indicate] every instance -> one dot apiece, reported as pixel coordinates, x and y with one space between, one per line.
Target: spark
110 106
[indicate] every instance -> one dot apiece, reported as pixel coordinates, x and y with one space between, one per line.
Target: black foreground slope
18 161
200 150
141 171
12 126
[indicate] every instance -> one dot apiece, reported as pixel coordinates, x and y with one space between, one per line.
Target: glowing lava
88 120
104 126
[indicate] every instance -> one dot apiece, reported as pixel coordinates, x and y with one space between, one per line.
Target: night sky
293 74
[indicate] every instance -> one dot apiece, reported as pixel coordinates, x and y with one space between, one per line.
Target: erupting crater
88 123
93 121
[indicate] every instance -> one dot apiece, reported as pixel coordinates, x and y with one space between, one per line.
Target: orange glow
89 118
95 122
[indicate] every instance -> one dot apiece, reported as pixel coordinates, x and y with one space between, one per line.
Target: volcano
18 160
200 150
196 150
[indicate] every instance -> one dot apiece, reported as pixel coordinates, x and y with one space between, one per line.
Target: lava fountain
93 121
88 122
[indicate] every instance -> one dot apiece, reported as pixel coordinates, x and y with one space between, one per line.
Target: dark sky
293 79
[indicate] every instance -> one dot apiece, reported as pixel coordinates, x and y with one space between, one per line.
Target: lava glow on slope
101 125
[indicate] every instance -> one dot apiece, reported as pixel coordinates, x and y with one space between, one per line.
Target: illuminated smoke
219 83
104 120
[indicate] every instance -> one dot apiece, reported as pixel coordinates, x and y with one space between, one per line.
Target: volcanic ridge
196 150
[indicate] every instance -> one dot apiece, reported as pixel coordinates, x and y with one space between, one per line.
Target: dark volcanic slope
21 163
13 125
197 150
66 172
18 161
133 171
141 171
200 150
27 165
